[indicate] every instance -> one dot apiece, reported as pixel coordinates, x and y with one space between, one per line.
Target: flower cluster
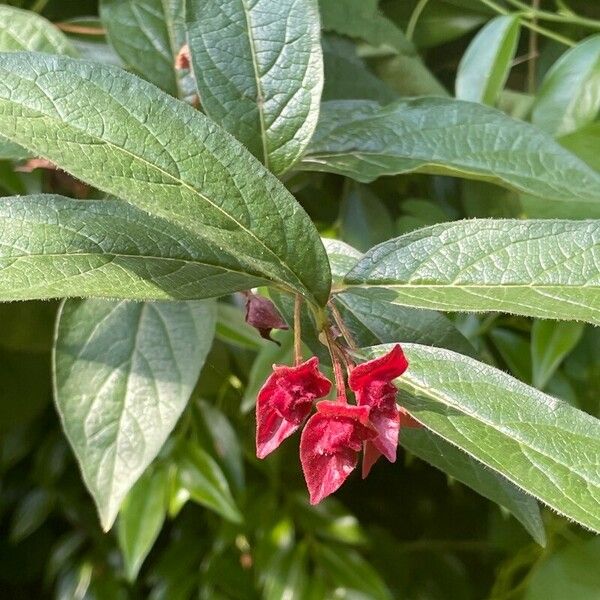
338 431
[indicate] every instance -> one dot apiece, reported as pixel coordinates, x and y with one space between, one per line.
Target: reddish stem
340 382
297 330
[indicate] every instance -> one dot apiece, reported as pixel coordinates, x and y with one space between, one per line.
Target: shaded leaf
141 518
550 343
202 477
459 465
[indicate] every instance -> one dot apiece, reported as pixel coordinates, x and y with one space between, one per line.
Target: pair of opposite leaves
335 434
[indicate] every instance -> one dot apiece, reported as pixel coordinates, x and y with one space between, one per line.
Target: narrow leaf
459 465
484 67
141 518
259 69
148 35
125 136
543 445
361 140
203 479
123 374
546 269
52 247
569 97
550 343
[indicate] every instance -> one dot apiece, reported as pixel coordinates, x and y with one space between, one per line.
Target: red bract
330 444
372 383
285 401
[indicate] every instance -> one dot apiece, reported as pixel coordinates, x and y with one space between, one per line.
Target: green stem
543 15
414 17
561 39
297 330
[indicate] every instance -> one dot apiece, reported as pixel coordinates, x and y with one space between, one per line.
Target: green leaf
361 140
546 269
551 342
515 351
202 477
347 75
259 70
148 35
569 97
128 138
123 373
543 445
26 30
51 247
362 19
342 257
31 513
348 569
374 320
409 76
224 442
584 144
364 219
571 572
459 465
484 67
141 518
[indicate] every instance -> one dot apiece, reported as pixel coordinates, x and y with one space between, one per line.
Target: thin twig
39 6
340 382
543 15
81 29
534 27
339 321
533 52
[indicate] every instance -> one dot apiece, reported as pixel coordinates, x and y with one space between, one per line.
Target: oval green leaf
123 374
547 269
543 445
259 70
126 137
361 140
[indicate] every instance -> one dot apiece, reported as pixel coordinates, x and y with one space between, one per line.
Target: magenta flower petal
330 444
372 383
285 401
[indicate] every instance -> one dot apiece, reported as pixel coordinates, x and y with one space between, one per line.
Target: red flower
372 383
330 444
285 401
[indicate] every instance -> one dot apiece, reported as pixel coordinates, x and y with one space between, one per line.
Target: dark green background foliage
127 460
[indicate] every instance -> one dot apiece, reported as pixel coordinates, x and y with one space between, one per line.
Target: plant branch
298 330
414 18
